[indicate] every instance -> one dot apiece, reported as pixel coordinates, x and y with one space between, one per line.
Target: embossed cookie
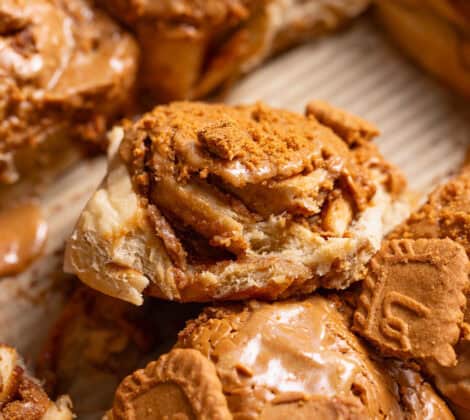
214 202
181 384
413 299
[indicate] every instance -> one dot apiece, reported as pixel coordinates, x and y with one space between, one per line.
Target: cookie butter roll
295 359
414 302
193 46
65 70
444 24
22 397
211 202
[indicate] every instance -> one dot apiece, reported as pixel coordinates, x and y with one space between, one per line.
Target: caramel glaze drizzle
23 234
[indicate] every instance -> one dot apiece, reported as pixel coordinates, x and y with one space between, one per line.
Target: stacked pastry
297 357
209 203
276 211
67 72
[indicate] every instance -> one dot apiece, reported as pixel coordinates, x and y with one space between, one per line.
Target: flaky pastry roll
212 202
191 47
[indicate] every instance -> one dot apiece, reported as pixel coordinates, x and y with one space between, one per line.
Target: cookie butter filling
210 201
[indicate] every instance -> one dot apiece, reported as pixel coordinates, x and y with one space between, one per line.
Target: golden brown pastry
22 397
292 359
445 215
211 202
98 340
191 47
434 33
65 70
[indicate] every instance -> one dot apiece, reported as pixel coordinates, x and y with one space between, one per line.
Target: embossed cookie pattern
412 300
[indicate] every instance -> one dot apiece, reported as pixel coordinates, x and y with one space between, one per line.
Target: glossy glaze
23 236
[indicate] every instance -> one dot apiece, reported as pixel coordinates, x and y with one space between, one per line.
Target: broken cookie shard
266 361
22 397
207 202
349 127
412 303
